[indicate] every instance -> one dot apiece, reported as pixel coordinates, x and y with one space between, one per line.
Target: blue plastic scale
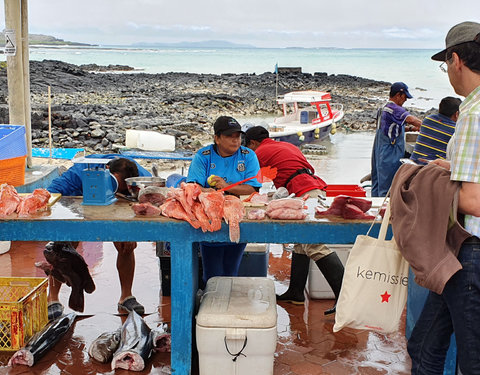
99 185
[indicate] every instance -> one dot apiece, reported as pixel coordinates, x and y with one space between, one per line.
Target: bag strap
385 223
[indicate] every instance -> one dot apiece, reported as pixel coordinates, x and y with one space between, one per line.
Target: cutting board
55 197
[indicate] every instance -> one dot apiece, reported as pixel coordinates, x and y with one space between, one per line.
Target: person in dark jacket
297 175
70 184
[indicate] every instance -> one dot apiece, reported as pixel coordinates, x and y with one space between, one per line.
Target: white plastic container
237 326
149 140
4 246
317 286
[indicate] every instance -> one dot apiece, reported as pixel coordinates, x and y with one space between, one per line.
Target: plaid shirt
466 154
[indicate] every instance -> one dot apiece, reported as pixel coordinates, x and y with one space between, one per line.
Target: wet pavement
306 343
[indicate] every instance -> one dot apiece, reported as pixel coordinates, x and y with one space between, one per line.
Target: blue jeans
457 310
221 258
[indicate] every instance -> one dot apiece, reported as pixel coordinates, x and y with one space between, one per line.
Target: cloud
265 23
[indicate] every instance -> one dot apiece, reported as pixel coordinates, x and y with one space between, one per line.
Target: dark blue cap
400 87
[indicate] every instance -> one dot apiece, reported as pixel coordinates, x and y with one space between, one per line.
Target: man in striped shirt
436 131
457 309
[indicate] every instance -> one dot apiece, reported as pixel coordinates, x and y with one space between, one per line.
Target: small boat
308 116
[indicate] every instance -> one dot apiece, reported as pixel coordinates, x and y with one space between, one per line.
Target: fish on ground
103 347
135 344
42 341
69 267
161 338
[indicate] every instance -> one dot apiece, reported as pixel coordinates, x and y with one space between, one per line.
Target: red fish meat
287 214
34 202
233 213
351 211
9 199
172 208
146 209
212 203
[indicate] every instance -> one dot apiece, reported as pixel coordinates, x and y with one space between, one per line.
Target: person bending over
70 184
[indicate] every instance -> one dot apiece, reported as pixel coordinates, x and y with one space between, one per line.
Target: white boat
308 116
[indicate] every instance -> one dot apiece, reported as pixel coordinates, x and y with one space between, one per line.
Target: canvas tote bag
374 287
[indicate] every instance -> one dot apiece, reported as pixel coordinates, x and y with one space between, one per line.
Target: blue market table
69 220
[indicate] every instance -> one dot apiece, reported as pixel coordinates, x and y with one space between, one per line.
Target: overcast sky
262 23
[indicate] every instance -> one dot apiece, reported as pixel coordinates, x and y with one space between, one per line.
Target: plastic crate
12 171
12 141
350 190
23 310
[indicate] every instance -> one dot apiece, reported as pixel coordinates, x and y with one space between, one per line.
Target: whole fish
70 267
161 339
103 347
135 344
42 341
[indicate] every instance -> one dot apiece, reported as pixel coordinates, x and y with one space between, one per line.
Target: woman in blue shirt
228 162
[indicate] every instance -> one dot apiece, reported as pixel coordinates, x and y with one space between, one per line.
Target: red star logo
385 296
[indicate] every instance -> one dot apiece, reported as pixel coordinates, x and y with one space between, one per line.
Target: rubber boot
332 268
298 279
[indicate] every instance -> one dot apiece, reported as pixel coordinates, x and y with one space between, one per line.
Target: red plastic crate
350 190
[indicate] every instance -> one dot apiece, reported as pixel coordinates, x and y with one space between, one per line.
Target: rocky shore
93 106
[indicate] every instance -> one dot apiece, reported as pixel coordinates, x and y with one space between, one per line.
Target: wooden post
26 80
16 20
50 124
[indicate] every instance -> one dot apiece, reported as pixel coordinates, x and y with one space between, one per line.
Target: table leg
184 276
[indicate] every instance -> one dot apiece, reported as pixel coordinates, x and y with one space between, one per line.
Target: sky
261 23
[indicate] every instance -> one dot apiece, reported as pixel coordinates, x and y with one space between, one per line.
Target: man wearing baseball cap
389 143
457 309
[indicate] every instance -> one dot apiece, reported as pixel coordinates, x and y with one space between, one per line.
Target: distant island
47 40
202 44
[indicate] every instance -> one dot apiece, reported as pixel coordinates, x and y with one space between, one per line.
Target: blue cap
400 87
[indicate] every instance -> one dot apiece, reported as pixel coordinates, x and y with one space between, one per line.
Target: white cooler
237 326
317 287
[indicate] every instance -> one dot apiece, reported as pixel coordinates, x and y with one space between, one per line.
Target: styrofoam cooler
317 286
254 260
236 330
149 140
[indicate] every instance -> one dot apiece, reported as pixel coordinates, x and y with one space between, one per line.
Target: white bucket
149 140
5 246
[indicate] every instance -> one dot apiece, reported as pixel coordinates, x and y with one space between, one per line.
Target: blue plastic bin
13 143
254 263
174 180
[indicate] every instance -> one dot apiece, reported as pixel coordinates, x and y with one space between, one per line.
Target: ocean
413 66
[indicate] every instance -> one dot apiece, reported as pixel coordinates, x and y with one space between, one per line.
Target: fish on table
135 344
42 341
